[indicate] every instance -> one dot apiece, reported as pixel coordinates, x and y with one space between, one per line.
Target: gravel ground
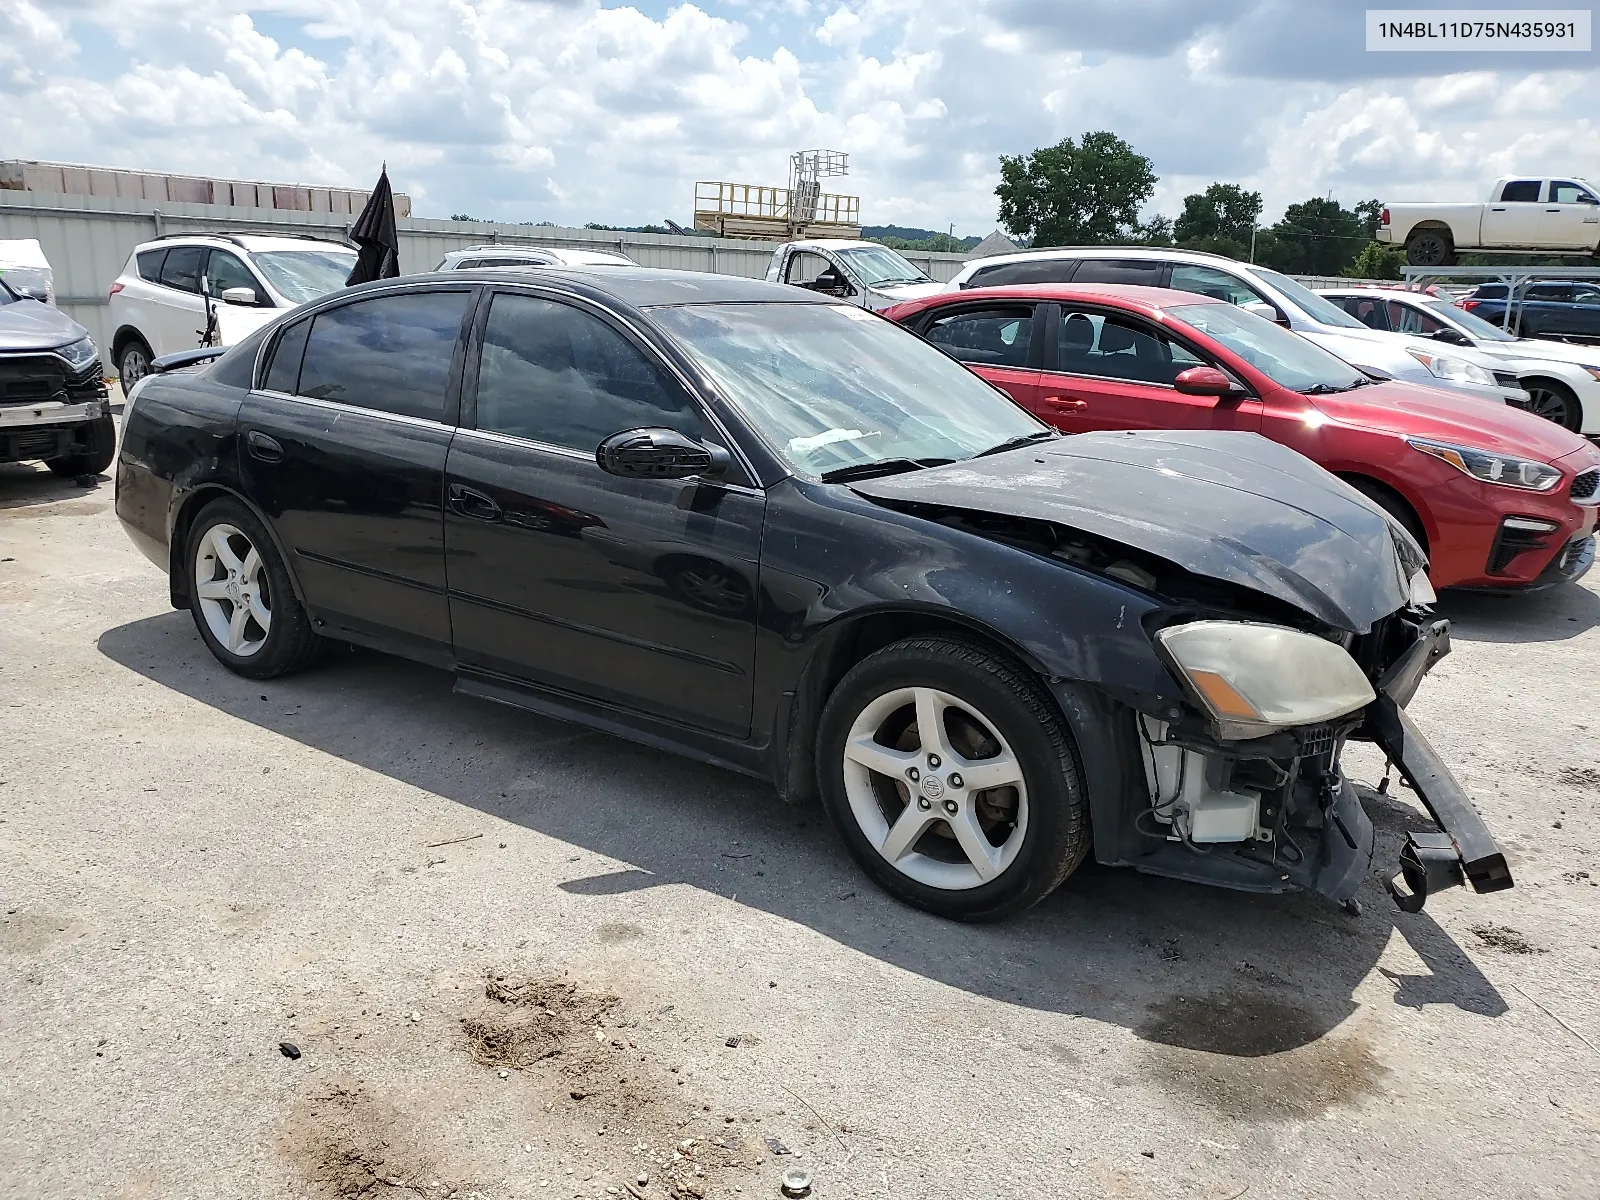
517 959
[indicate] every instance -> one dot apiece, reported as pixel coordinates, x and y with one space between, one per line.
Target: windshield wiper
1027 439
883 466
1323 389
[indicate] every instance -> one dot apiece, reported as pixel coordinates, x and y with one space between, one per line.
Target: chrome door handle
263 447
1066 403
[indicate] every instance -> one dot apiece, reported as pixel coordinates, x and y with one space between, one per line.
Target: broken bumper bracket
1461 850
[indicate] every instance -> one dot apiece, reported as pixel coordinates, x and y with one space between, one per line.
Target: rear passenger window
391 353
1114 270
552 373
1372 311
989 337
1044 270
150 264
1521 191
1208 281
182 269
283 372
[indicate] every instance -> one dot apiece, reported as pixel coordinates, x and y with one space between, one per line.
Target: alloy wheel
1547 403
135 365
235 599
935 788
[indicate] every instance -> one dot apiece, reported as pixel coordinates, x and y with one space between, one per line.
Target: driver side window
1409 320
815 274
555 374
1113 347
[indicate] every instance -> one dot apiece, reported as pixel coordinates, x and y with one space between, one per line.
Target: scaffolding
1516 279
763 213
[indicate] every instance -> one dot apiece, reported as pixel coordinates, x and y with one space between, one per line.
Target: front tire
1430 248
100 447
241 597
981 817
1554 401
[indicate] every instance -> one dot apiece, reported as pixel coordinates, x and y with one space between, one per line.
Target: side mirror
239 295
1265 311
1204 381
1454 336
659 454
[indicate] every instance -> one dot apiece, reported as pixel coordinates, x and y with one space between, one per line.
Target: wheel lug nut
913 774
950 807
955 781
924 804
933 761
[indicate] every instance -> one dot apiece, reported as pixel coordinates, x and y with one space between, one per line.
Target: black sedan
752 525
1563 309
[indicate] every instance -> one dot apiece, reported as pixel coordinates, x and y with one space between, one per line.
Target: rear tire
241 597
1554 401
133 364
983 819
1430 248
100 447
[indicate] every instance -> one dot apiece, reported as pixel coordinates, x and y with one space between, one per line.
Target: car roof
252 242
1130 295
839 243
1157 252
641 287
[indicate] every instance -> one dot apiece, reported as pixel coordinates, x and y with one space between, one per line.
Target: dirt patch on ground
1583 777
613 932
1255 1057
582 1050
1505 939
34 933
350 1144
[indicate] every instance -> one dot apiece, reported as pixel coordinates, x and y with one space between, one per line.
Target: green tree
1219 219
1377 261
1082 193
1318 237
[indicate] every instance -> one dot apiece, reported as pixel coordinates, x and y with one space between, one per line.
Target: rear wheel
133 364
1554 401
240 595
953 779
99 441
1430 248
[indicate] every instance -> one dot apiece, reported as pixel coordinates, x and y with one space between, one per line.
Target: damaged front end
1292 613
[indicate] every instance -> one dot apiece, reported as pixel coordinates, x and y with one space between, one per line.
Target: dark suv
1551 308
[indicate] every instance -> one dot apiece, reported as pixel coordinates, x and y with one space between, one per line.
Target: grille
1316 739
1509 542
1507 379
32 378
45 443
1586 484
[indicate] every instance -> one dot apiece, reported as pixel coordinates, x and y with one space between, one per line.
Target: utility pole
1253 228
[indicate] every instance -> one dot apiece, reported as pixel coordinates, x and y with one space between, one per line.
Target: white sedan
1562 379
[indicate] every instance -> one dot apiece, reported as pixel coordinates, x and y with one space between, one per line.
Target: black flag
374 232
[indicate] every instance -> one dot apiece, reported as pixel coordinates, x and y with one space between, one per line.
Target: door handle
1554 210
1065 403
263 447
1497 210
470 502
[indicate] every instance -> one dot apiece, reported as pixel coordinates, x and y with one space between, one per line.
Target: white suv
529 256
159 302
1267 293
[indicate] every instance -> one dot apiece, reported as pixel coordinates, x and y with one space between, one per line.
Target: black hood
1230 506
29 325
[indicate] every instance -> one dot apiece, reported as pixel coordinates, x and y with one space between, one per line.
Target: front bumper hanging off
1461 850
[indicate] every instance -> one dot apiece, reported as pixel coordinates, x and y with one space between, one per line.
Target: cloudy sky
592 110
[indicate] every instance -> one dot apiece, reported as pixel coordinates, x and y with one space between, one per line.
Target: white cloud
583 110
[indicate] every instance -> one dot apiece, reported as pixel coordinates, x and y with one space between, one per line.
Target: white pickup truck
862 273
1551 216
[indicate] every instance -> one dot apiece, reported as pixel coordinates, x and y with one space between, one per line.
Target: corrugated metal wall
88 239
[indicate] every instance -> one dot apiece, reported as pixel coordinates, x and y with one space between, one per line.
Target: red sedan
1499 498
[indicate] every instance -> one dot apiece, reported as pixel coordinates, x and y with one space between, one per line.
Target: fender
186 508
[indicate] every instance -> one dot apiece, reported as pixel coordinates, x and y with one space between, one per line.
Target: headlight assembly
78 354
1504 469
1442 366
1256 679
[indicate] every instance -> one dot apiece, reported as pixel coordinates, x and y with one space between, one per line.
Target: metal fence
88 239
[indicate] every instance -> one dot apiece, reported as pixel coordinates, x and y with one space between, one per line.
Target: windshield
1285 358
879 265
301 275
1319 308
832 386
1468 323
